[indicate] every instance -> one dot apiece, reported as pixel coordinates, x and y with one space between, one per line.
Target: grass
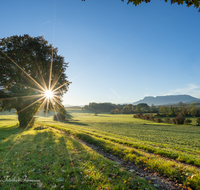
112 132
187 175
183 137
47 159
184 157
153 146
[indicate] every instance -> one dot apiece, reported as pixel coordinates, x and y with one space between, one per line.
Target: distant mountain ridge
169 99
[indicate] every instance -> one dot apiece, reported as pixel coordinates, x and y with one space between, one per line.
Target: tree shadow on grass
8 136
4 119
79 111
50 158
56 160
83 159
103 116
75 123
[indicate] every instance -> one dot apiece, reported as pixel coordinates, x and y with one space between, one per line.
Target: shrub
198 120
187 121
167 120
146 117
139 115
178 120
59 117
158 120
151 118
174 121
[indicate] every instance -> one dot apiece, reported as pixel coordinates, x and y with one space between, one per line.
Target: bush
139 115
158 120
151 118
174 121
178 120
167 120
198 120
187 121
59 117
146 117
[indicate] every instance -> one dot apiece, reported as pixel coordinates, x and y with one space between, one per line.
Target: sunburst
48 93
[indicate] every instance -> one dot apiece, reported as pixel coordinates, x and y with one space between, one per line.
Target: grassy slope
105 129
126 128
180 136
56 161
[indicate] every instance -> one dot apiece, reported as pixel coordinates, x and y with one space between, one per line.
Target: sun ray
49 93
43 103
22 97
56 96
42 78
57 102
24 72
60 86
47 106
54 109
50 74
32 104
41 91
53 85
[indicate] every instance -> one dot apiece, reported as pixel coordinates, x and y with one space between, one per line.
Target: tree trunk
25 119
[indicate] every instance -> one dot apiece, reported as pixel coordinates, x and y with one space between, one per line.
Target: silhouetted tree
24 68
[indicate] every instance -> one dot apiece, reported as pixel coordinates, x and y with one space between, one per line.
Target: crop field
60 161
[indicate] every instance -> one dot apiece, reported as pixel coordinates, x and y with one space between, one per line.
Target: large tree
195 3
189 3
32 76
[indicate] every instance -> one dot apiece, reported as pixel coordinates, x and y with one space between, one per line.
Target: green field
124 125
170 150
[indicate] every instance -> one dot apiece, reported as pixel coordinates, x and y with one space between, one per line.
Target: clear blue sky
117 53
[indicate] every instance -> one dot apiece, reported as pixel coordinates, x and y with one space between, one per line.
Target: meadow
60 161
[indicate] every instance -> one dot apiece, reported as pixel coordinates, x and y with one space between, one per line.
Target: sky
117 53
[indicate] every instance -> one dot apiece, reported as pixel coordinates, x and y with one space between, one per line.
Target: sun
48 94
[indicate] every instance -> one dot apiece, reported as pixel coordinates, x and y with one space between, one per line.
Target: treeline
121 108
131 109
179 119
163 111
185 110
102 107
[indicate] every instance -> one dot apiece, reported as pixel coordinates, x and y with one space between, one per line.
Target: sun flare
48 94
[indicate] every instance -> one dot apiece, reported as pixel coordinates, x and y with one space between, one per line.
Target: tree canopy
189 3
195 3
30 70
